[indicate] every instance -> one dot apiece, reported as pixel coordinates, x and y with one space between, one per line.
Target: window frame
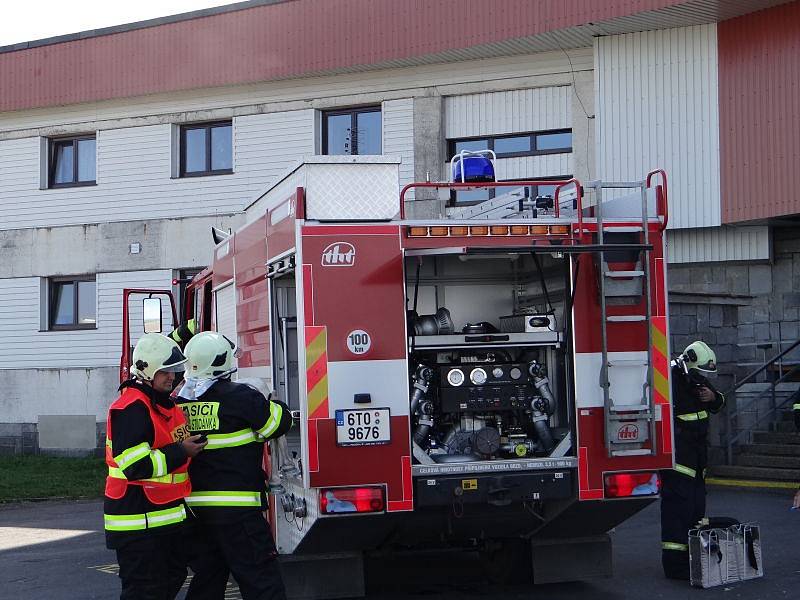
353 112
533 135
208 126
51 161
51 288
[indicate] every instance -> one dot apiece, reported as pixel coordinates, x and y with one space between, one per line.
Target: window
72 162
352 131
526 144
73 303
206 149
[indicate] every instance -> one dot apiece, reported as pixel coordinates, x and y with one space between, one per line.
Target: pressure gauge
497 372
515 373
455 377
478 376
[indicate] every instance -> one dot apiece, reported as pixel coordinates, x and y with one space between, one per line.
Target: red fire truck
492 376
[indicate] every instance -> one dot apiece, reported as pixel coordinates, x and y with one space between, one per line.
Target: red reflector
175 282
351 500
623 485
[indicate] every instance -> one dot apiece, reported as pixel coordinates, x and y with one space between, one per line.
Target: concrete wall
747 312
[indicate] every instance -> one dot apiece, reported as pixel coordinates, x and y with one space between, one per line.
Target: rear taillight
351 500
623 485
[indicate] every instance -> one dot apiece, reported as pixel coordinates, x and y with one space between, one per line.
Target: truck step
626 318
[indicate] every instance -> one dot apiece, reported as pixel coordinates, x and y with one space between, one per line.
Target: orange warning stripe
317 371
660 360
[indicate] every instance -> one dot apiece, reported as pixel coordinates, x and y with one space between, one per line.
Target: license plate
361 427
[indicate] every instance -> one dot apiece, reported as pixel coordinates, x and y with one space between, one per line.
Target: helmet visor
174 364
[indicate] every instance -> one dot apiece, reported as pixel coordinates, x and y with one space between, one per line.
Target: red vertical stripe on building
759 113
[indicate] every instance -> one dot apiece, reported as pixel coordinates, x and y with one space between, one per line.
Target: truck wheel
507 561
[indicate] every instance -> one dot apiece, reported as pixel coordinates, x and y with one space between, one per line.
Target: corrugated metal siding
405 81
347 35
133 175
713 244
207 52
398 136
657 106
497 113
25 347
759 79
508 112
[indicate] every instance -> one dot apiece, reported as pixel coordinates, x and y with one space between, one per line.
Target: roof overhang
265 40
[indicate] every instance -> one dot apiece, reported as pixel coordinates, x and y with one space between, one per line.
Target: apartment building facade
120 149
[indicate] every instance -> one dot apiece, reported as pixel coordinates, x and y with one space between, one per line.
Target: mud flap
323 576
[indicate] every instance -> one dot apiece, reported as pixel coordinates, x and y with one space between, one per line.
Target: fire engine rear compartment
489 360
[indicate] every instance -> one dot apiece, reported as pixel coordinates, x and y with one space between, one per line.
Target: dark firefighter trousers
683 502
242 546
152 567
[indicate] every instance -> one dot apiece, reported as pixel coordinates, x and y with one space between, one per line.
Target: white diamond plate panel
277 193
352 191
291 529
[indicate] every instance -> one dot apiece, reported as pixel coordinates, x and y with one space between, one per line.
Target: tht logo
339 254
628 432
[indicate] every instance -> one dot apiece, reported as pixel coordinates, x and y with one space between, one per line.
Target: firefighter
148 448
228 496
683 491
183 333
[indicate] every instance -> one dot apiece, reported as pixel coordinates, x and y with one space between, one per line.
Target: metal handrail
732 439
763 367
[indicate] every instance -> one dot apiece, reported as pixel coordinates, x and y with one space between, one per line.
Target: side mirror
151 309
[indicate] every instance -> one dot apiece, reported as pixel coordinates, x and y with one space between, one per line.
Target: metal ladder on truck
626 287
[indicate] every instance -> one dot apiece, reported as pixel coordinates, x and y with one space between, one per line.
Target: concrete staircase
773 454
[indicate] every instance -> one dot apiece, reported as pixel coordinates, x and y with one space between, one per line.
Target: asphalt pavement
56 551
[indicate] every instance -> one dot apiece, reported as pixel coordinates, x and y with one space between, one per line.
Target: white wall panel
657 106
26 347
713 244
133 175
495 113
398 135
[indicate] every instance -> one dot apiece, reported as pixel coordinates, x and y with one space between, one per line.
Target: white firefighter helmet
156 352
209 355
700 357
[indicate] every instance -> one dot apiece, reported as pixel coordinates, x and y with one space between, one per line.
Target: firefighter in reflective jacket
147 451
683 491
228 497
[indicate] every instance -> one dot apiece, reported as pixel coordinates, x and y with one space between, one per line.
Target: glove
704 394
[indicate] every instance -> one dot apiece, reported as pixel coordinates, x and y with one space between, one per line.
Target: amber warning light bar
418 231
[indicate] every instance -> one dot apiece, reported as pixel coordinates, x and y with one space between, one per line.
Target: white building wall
657 107
398 135
514 111
27 346
712 244
497 113
134 174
